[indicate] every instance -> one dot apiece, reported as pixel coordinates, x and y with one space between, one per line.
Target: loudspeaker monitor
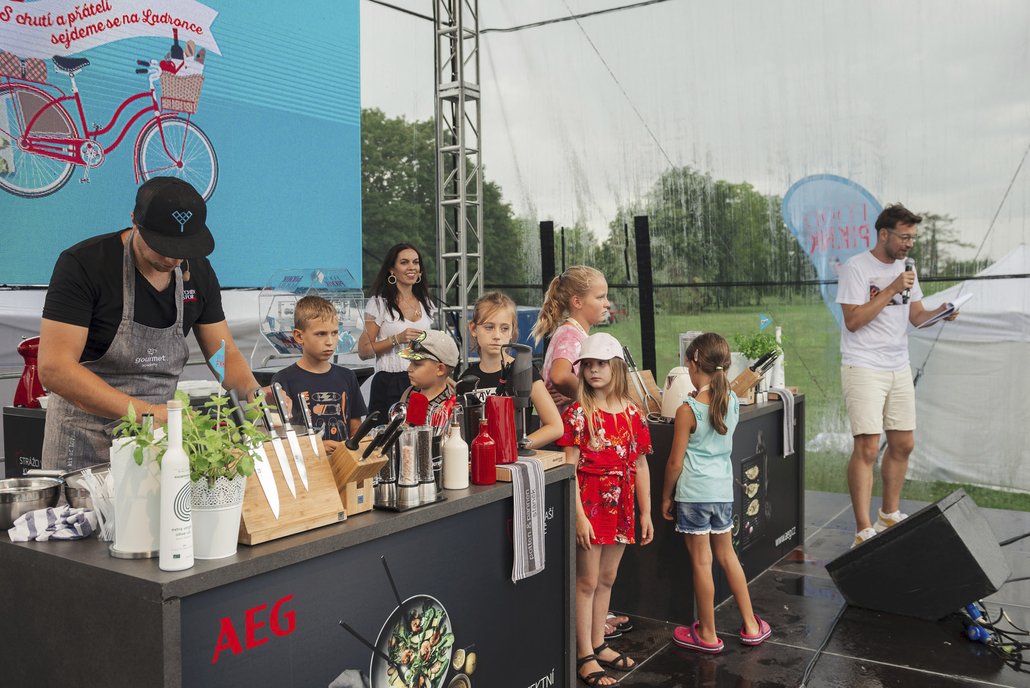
934 562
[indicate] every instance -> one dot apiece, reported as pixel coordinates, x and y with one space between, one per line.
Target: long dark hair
381 287
711 354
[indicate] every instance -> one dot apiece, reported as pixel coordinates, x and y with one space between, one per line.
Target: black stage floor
865 650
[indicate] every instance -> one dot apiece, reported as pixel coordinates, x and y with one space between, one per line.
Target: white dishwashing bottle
176 542
455 460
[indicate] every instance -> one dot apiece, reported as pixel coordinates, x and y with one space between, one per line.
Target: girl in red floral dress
606 438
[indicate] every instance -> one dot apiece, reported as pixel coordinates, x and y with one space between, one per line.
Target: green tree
398 196
938 238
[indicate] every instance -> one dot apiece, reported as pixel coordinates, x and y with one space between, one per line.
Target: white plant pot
216 517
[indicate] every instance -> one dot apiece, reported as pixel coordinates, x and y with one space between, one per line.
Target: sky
927 103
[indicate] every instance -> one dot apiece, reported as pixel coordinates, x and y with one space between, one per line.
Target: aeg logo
229 639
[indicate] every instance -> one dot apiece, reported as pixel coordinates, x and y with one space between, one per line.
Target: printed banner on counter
436 602
264 122
832 218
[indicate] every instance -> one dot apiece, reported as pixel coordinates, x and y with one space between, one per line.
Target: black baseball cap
171 217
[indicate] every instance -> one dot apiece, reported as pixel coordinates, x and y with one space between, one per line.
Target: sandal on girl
764 631
620 663
688 637
594 678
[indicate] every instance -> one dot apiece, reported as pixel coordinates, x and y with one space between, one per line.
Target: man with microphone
880 296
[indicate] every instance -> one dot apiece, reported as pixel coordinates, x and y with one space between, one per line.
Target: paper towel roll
137 499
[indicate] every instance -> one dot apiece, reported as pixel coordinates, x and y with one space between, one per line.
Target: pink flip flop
764 631
688 637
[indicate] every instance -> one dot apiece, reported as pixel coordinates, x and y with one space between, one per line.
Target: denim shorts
703 518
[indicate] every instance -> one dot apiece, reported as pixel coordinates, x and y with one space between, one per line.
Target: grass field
812 357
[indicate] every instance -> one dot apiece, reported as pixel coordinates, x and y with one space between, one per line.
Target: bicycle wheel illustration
29 174
193 157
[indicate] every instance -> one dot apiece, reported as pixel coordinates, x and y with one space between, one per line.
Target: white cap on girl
601 346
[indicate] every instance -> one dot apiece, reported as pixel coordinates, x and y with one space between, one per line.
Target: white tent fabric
973 397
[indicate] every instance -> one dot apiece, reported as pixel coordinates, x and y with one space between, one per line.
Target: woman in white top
398 311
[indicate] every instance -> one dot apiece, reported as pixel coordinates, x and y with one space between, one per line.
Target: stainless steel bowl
75 492
22 495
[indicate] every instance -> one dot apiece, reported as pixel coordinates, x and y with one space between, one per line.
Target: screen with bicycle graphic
256 104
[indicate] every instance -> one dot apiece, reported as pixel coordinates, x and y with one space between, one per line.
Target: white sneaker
863 535
885 521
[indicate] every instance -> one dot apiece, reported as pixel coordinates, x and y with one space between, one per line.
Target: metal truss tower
459 171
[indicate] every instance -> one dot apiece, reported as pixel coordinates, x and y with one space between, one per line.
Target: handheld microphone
910 265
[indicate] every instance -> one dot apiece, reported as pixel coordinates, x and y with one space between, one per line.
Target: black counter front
656 581
270 615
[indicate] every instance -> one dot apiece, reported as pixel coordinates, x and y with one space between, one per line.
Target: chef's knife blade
277 445
305 413
298 458
262 468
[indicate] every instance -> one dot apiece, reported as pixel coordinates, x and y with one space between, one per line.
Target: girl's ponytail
551 312
720 402
711 354
575 281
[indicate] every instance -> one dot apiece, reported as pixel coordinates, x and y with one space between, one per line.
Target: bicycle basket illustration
181 93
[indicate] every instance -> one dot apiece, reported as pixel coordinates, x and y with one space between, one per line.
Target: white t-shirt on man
881 344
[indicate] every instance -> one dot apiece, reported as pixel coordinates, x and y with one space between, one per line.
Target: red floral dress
607 469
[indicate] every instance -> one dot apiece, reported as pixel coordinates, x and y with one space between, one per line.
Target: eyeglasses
904 238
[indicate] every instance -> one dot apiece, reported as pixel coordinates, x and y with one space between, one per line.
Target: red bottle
29 389
484 457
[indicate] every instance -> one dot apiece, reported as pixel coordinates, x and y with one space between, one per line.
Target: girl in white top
398 311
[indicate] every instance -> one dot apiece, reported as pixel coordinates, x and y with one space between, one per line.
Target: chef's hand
952 316
667 508
646 529
904 281
351 678
584 531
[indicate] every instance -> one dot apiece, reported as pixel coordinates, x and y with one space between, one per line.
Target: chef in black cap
115 320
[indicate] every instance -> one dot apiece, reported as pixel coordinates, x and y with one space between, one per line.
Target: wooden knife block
354 475
317 506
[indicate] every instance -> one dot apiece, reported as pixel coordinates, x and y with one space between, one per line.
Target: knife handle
629 358
267 413
305 413
237 408
362 430
391 439
277 396
381 437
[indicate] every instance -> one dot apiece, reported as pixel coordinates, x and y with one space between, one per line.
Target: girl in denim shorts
698 493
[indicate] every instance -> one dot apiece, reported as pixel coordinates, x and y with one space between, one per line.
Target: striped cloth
527 480
57 523
788 418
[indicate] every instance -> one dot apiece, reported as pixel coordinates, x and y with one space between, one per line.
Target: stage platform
866 649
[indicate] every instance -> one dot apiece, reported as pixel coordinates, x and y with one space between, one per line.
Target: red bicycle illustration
40 143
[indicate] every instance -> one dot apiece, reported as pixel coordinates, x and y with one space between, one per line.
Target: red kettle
29 388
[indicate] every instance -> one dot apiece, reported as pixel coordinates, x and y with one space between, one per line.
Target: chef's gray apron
144 362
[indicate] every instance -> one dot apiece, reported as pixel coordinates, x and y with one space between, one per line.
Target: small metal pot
21 495
75 492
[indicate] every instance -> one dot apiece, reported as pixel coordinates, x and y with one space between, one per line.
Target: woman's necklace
575 323
417 305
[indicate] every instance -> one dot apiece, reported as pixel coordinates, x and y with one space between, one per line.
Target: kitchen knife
366 425
277 444
298 458
381 437
262 468
305 413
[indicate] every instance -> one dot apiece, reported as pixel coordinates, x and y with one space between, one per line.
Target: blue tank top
707 474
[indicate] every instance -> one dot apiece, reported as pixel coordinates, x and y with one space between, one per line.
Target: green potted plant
219 465
755 345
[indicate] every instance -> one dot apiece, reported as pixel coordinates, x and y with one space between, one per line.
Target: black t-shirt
86 290
334 397
492 383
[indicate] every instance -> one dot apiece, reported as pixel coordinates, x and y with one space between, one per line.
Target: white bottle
455 460
176 542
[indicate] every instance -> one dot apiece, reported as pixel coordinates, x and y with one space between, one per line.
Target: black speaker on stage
933 563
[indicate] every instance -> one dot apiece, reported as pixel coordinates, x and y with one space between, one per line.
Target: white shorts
878 400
